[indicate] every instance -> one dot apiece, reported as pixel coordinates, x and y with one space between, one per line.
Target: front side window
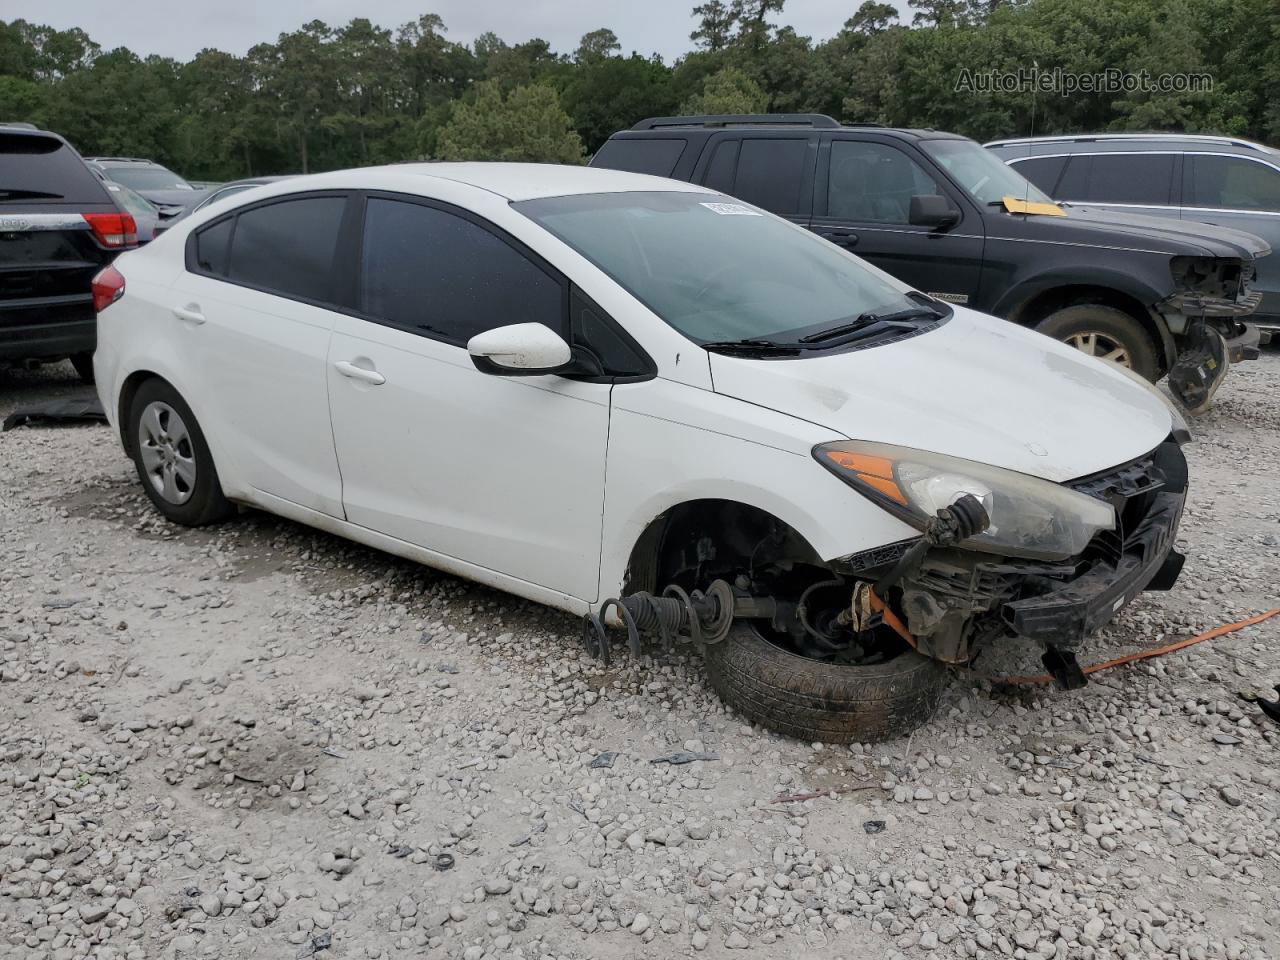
429 271
288 247
714 269
1232 183
1044 172
874 182
983 175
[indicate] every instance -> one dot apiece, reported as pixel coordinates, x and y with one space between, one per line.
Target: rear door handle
190 313
350 370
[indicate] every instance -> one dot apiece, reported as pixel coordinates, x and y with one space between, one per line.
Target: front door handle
842 237
350 370
190 313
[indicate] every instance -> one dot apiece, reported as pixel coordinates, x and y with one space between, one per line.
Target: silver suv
1219 180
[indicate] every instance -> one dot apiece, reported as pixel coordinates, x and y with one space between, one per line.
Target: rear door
774 172
1146 182
865 186
257 306
48 250
1242 193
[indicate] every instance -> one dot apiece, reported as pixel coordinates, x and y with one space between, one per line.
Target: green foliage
527 124
323 97
728 91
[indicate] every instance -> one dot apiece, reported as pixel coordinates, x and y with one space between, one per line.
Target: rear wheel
83 362
814 700
1106 333
173 459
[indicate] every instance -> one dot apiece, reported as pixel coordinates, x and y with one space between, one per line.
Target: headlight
1181 432
1030 517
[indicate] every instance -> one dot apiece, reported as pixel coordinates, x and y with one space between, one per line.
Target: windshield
137 205
714 269
987 178
147 178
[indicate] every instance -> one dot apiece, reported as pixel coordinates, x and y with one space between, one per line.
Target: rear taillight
113 229
108 287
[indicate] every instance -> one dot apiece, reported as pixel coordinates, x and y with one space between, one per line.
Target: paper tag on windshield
731 210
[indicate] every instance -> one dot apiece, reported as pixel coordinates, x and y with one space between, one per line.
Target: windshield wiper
751 346
28 195
869 319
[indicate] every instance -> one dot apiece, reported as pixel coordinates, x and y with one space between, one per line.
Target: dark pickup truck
943 214
58 227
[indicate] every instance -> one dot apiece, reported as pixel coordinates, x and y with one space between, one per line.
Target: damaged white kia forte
674 415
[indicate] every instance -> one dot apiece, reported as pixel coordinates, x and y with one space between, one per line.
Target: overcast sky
181 28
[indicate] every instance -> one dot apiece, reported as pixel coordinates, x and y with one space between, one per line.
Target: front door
503 472
862 204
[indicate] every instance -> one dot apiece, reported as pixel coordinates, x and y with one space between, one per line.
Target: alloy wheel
164 444
1100 345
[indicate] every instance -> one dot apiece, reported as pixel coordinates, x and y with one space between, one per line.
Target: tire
173 459
1106 330
810 700
83 362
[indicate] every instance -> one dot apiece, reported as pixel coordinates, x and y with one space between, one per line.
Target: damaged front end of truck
1206 313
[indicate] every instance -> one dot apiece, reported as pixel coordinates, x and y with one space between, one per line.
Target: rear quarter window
657 157
43 169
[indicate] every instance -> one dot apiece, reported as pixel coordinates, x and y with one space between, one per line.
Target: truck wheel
173 459
811 700
1106 333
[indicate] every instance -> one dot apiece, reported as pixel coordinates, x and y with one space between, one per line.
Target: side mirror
932 210
519 350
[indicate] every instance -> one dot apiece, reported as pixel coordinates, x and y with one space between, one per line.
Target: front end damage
1206 313
946 602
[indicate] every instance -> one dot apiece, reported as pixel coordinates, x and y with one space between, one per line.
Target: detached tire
1105 333
173 459
833 703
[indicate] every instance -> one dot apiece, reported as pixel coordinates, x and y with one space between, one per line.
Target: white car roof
514 181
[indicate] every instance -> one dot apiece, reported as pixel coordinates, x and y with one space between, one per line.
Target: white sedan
652 406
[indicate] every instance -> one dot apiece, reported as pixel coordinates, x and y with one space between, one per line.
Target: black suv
58 227
945 215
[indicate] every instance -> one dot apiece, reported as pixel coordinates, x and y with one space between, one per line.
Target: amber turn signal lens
873 472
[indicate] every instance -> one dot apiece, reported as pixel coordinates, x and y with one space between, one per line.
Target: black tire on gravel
1109 323
206 504
83 362
832 703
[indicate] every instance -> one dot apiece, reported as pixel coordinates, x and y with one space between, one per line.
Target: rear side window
43 169
1231 183
771 173
288 248
1044 172
431 272
212 246
1143 178
723 166
656 157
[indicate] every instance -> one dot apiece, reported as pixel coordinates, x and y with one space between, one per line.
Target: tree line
325 97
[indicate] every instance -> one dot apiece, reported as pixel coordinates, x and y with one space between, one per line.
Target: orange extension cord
901 630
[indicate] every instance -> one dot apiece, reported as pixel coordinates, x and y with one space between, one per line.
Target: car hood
977 388
1094 225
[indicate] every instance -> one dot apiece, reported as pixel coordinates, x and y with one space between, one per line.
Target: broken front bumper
1065 616
959 600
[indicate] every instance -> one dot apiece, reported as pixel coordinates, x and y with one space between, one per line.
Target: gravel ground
257 740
